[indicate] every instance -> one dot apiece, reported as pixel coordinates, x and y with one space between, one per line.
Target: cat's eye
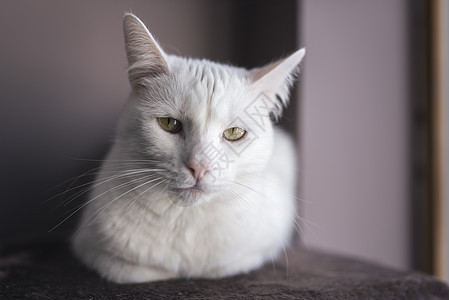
234 133
170 124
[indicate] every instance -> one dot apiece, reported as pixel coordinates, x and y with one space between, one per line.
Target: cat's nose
197 170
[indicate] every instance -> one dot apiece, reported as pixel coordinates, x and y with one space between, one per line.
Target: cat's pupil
234 133
170 124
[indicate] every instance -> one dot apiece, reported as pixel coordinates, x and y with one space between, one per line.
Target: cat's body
198 200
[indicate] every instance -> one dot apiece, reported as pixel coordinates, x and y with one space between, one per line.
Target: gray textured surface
50 271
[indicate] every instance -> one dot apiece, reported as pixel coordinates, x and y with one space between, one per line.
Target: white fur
141 224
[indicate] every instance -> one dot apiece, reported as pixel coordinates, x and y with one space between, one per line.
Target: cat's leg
120 271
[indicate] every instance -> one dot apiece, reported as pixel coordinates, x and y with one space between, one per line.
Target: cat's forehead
209 76
209 90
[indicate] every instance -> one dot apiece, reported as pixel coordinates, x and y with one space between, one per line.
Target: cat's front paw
126 273
123 272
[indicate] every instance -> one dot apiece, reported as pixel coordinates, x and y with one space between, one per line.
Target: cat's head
205 125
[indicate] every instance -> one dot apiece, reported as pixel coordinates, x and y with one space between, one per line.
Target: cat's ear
274 80
146 58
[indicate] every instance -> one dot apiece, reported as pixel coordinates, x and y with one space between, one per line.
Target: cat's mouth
189 196
193 191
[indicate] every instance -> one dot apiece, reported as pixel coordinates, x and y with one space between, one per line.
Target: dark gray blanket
49 271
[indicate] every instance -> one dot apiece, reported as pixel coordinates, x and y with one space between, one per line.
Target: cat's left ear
274 80
146 58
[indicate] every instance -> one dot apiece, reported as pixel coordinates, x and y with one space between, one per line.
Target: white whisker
101 210
87 203
99 182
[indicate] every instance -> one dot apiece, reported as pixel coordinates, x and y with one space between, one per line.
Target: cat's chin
191 196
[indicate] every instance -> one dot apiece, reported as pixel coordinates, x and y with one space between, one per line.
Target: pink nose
198 170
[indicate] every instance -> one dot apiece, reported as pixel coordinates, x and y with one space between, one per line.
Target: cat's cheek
160 143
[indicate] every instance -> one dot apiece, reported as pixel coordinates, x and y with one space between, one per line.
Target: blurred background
369 112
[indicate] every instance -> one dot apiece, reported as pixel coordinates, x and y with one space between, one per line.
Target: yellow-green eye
170 124
234 133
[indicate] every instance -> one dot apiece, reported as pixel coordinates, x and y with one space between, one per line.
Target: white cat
199 183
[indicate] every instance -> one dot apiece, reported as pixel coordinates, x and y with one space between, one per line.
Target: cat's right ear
146 59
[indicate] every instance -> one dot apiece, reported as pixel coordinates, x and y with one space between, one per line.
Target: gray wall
354 128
